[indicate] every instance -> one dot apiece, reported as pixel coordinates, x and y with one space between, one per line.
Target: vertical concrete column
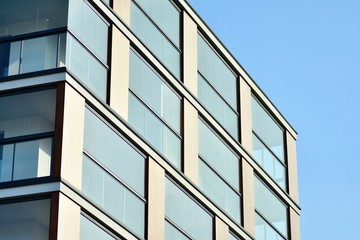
156 201
245 115
68 220
292 167
191 148
119 78
190 53
248 197
122 9
72 138
221 229
294 225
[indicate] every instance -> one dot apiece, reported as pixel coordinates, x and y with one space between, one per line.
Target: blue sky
305 55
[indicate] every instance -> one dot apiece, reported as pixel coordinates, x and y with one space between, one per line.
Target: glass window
31 55
183 213
113 174
84 21
86 67
268 207
27 125
91 231
157 24
268 144
106 146
219 172
232 236
217 87
27 16
154 110
25 220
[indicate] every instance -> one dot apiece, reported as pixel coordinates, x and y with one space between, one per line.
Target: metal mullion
263 143
217 92
220 176
157 27
270 224
155 113
26 138
98 163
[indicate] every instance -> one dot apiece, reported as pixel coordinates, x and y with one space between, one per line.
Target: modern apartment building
129 119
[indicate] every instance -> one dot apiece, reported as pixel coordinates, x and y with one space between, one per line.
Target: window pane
26 16
90 231
39 54
84 22
171 233
232 237
270 207
264 231
86 68
152 37
154 131
218 155
187 214
25 220
267 129
219 192
27 113
113 152
111 196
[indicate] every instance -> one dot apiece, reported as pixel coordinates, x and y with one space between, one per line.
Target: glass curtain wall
154 110
113 174
157 24
27 123
268 143
184 218
217 87
219 172
271 221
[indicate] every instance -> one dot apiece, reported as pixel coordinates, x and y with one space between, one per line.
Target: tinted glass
270 207
27 16
267 129
218 191
269 162
25 220
154 39
172 233
186 213
113 152
232 237
264 231
86 67
113 197
218 155
91 231
27 113
84 21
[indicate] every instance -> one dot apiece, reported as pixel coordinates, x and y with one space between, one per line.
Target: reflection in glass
173 233
263 231
25 220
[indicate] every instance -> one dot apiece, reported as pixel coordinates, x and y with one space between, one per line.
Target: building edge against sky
128 119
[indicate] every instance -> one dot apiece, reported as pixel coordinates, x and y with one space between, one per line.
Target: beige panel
221 229
119 82
248 197
292 167
72 142
191 161
122 9
190 54
245 115
294 225
69 219
156 201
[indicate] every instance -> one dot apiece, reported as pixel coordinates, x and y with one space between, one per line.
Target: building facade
128 119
